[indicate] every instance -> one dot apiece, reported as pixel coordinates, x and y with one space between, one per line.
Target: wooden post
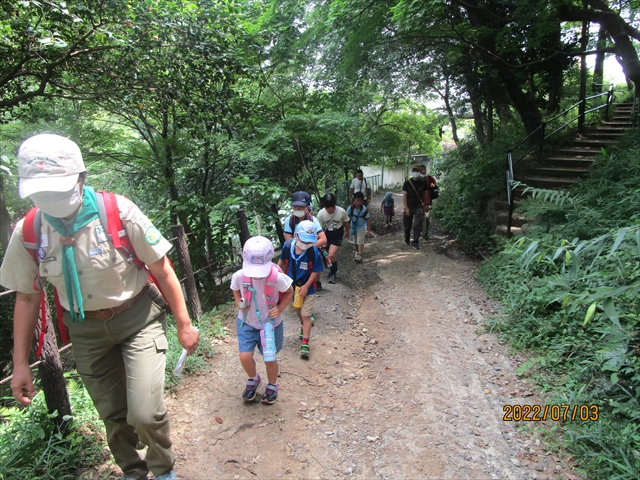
51 373
244 226
182 250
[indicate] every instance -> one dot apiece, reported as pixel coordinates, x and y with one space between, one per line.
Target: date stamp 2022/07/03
538 413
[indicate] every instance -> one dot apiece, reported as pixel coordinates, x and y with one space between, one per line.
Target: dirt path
399 384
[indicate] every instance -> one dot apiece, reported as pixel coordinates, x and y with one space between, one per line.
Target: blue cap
306 231
300 199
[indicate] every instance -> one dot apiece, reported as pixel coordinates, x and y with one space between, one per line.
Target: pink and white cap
48 163
256 257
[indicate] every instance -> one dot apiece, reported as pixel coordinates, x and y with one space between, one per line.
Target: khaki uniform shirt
107 279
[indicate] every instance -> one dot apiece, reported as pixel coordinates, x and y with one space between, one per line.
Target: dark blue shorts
249 337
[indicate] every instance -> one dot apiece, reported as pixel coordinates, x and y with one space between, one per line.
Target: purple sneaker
270 395
250 390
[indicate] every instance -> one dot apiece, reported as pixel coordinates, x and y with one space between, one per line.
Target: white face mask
304 246
299 213
58 204
415 174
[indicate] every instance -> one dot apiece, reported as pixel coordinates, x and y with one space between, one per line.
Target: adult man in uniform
359 184
414 199
116 318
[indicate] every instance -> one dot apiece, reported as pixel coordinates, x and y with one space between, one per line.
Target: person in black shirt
414 199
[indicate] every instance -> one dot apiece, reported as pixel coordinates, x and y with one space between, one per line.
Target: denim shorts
249 337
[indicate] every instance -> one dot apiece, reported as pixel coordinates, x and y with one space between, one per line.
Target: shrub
571 296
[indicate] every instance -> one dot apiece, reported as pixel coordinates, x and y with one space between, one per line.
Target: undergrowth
571 292
30 446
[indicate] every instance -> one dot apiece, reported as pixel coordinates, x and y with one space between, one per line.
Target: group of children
263 290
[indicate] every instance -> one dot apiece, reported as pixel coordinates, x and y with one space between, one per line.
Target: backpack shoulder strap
246 284
114 226
31 237
270 291
31 228
311 253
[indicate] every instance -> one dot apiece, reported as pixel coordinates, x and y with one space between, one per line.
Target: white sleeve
283 282
236 280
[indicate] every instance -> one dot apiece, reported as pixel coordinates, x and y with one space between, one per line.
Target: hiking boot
332 279
416 246
318 286
407 242
250 390
358 258
270 394
305 351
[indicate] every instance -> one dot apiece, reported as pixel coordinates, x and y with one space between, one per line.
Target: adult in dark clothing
414 199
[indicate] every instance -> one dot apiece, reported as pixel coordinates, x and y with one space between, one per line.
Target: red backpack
286 251
109 215
269 288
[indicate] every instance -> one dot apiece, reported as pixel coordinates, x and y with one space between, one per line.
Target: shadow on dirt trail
399 384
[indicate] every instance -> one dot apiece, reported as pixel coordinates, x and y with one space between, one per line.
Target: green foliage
468 180
571 295
31 447
211 329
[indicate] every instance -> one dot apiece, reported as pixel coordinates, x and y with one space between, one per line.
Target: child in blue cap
302 261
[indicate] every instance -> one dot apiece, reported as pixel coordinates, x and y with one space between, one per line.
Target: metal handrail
540 143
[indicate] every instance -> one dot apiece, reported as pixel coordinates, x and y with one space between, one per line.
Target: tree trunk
244 227
489 121
626 53
51 373
598 69
304 165
279 229
450 114
524 103
193 300
476 107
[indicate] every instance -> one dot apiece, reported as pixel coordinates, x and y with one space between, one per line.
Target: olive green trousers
121 362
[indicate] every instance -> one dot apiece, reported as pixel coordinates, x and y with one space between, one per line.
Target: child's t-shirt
358 220
388 202
333 222
283 282
302 265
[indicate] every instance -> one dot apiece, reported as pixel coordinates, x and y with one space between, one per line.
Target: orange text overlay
538 413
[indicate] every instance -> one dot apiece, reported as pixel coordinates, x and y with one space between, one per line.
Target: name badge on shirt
95 251
100 235
44 240
304 266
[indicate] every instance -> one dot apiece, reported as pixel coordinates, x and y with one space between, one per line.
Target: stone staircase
560 168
